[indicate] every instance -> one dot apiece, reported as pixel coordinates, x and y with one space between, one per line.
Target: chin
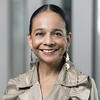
50 60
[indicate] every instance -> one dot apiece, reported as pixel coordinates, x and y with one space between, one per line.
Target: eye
58 33
39 34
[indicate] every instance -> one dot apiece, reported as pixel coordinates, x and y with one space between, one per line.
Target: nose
48 40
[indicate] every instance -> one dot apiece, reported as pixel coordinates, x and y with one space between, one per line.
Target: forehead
48 19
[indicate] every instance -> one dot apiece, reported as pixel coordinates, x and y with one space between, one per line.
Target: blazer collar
67 77
29 78
71 77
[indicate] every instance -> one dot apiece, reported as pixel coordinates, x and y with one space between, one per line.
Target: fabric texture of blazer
70 85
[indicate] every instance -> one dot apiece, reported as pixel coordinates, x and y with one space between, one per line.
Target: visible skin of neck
47 75
46 71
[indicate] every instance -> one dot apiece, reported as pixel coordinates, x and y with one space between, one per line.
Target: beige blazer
70 85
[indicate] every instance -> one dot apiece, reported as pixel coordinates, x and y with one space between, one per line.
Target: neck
48 70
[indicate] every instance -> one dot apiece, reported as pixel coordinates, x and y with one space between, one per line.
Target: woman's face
48 38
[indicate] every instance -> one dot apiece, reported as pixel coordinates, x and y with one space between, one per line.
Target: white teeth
48 51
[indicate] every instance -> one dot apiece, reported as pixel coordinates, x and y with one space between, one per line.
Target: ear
29 38
69 36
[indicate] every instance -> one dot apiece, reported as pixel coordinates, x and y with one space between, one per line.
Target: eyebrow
41 29
57 30
38 29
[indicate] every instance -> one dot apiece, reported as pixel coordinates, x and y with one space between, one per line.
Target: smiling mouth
49 51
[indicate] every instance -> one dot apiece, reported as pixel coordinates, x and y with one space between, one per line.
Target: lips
49 51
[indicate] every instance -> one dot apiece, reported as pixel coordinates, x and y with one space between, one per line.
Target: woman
53 77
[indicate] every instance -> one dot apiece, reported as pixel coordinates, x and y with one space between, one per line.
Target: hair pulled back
53 8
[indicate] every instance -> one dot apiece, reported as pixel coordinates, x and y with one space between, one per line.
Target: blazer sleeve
94 92
12 91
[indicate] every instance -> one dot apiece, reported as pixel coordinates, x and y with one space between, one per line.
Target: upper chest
57 92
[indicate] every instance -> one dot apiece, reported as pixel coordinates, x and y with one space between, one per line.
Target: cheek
63 43
35 43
